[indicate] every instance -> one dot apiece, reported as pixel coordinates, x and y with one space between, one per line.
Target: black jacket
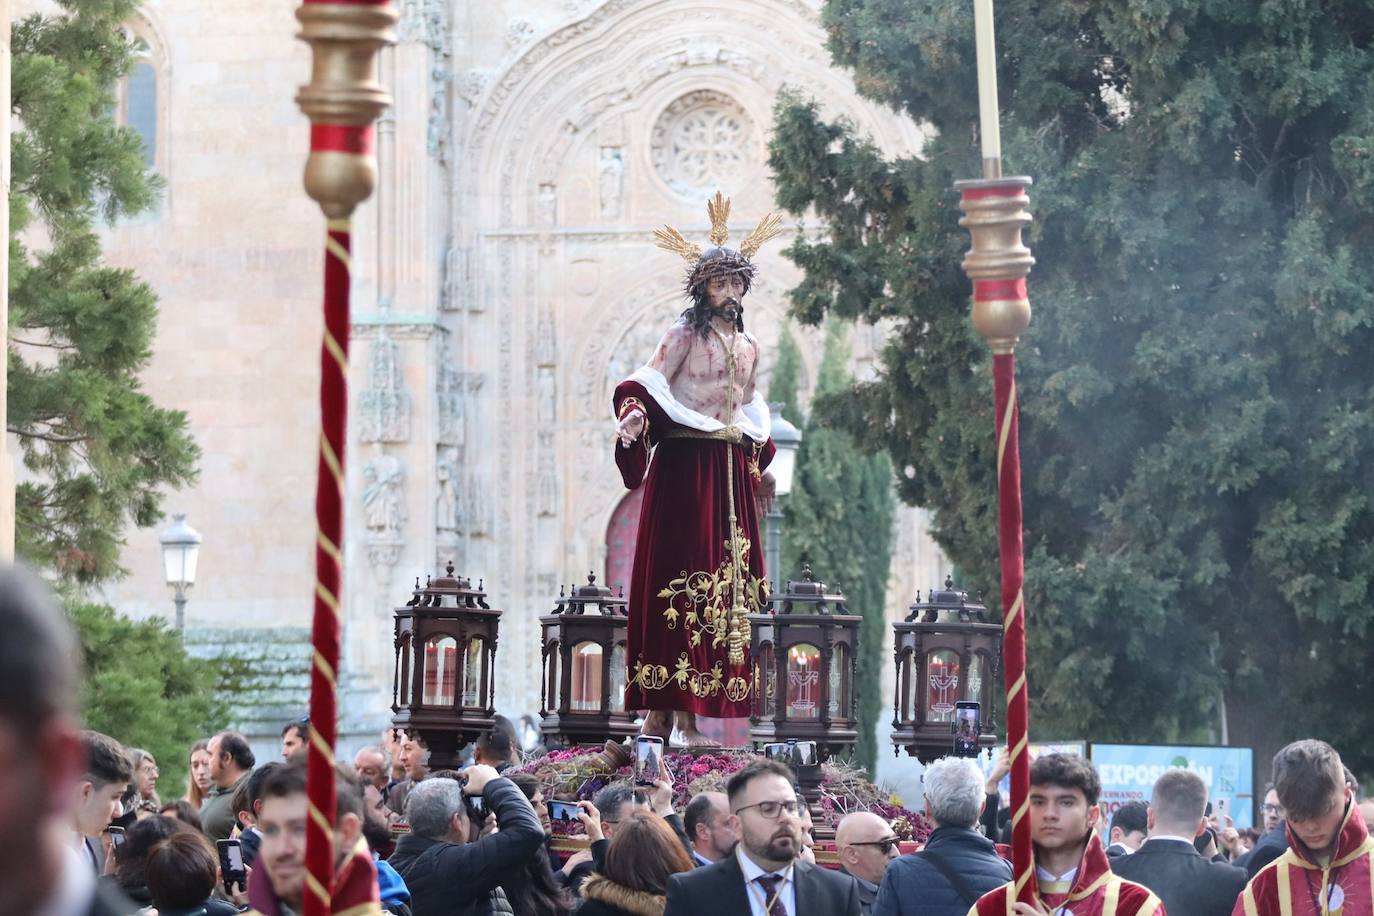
1269 847
913 885
446 879
1188 884
719 889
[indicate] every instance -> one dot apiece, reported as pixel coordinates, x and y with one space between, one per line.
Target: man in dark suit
763 877
42 761
1168 863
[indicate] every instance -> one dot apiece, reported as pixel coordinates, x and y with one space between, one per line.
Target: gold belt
720 435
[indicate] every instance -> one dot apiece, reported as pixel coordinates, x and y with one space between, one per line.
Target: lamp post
787 439
180 552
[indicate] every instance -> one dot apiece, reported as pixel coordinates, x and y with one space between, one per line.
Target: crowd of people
86 830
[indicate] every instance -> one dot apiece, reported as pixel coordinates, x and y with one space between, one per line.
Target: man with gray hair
1169 864
444 868
958 864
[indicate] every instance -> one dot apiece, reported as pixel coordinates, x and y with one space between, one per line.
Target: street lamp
787 439
180 551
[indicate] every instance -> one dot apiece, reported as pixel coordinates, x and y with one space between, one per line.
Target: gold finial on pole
343 99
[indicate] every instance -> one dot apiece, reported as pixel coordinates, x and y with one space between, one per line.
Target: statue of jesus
692 428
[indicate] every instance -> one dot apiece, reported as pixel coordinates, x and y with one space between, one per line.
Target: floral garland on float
577 774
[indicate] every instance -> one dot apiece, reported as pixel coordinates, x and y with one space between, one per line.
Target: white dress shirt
758 906
75 887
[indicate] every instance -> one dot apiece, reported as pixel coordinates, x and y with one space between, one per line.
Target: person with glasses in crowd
958 864
865 845
764 876
1273 843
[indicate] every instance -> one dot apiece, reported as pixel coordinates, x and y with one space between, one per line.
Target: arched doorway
620 540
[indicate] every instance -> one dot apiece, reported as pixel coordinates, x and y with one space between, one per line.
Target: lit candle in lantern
989 129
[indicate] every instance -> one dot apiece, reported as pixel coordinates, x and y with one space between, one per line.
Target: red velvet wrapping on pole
325 633
1014 619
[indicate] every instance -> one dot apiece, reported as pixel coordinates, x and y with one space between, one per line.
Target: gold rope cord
739 623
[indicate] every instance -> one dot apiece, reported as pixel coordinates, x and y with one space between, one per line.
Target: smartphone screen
563 811
231 863
968 725
116 836
648 760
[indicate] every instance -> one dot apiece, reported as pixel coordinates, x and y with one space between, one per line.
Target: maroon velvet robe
677 657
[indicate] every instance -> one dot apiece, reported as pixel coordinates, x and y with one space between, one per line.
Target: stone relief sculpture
612 182
384 510
384 405
446 504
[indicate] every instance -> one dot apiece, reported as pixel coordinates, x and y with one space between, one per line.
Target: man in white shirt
764 876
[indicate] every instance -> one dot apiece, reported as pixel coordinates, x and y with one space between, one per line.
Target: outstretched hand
630 427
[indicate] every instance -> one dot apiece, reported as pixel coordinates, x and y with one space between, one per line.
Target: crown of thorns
719 260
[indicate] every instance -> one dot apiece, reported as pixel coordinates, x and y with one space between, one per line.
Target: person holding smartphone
444 868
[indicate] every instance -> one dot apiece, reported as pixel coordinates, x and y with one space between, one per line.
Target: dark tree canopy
1197 427
97 450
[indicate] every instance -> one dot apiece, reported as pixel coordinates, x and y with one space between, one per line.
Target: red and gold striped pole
342 101
996 210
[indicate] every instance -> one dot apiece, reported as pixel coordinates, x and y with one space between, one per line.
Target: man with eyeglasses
958 864
1273 843
865 845
1327 869
764 876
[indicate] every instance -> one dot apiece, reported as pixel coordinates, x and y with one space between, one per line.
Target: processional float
343 100
996 209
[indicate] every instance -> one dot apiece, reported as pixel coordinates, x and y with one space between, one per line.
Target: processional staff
995 212
342 101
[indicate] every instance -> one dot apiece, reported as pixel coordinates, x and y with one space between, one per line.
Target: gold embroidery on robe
702 600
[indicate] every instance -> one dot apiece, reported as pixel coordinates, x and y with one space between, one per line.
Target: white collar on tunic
1042 874
75 887
753 419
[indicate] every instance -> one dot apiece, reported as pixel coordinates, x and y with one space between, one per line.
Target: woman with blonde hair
198 774
643 854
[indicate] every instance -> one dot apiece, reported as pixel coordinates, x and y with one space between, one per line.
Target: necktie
772 897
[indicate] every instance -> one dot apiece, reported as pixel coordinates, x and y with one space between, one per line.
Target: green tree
839 520
141 688
97 449
1197 427
785 386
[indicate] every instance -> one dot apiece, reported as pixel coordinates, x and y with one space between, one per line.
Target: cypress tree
839 520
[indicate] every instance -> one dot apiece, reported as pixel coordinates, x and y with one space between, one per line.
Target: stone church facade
505 280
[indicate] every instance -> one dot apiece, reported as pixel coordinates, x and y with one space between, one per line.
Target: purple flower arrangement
573 775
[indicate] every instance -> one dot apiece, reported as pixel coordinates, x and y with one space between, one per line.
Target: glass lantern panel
941 684
618 678
977 678
472 673
586 677
551 695
765 698
803 682
440 671
839 682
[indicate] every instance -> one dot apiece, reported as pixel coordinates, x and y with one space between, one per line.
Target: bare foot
658 722
691 736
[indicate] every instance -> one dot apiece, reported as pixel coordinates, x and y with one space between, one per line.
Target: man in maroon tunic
691 422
